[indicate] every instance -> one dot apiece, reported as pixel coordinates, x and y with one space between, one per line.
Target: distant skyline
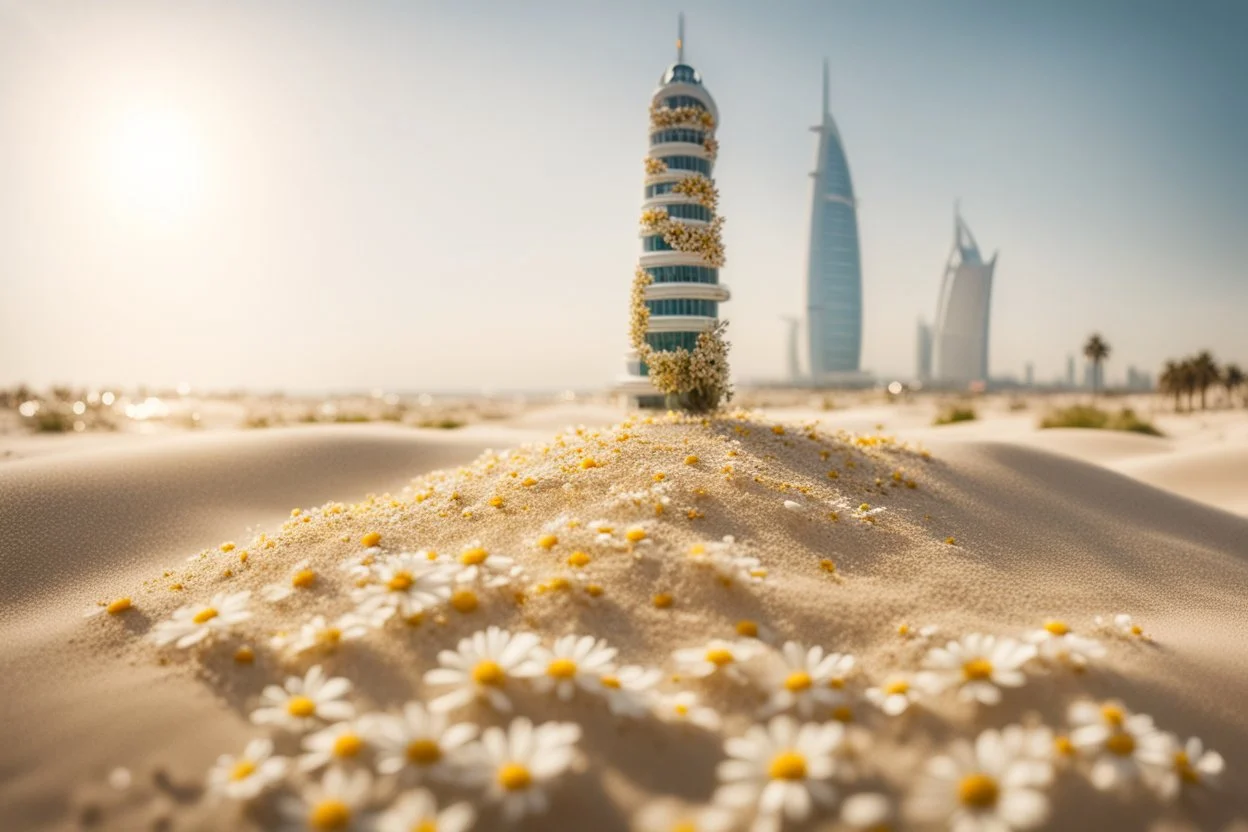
441 195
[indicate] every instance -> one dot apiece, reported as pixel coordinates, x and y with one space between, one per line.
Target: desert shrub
959 413
52 421
352 417
442 424
1086 416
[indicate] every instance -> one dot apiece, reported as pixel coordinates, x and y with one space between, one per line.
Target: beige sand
1037 536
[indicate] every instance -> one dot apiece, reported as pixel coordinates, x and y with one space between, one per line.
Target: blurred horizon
323 197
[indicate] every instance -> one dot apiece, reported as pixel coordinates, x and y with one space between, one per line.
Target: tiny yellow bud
691 460
244 655
662 601
370 540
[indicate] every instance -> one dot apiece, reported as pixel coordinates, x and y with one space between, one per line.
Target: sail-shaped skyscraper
834 276
960 333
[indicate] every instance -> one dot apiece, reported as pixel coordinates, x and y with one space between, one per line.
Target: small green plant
52 421
1086 416
959 413
442 424
352 417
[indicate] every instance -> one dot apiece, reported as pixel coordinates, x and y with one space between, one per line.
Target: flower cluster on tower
679 353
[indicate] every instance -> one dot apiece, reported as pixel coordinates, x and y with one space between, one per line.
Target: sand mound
1104 447
1213 475
852 544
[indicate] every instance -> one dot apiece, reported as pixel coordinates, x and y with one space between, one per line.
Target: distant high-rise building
795 365
1029 374
960 334
1070 371
834 273
924 352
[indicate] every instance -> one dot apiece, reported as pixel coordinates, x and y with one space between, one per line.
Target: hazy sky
445 195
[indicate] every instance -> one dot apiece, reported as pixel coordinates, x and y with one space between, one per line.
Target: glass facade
678 134
834 279
689 211
683 306
672 340
702 166
654 243
683 274
683 101
659 189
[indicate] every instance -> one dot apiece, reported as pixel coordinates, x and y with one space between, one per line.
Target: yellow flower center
578 559
330 816
787 765
426 826
843 714
1137 630
242 770
747 628
423 752
691 460
488 673
1064 746
1057 628
799 680
303 579
547 541
561 669
976 670
118 606
836 683
329 636
205 615
684 826
681 709
609 681
370 540
464 600
1120 743
401 581
719 656
514 776
1113 714
900 686
979 791
300 706
244 655
903 630
347 745
635 535
474 556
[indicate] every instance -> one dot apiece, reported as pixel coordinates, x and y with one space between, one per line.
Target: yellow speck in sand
1057 628
747 628
242 556
578 559
778 430
588 462
528 482
119 606
472 556
594 590
370 540
660 476
496 502
691 460
548 541
662 601
950 540
303 579
827 565
227 547
635 535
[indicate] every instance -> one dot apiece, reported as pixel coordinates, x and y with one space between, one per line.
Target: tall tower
685 293
962 311
834 274
794 361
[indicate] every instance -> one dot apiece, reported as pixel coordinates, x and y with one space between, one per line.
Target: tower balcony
693 291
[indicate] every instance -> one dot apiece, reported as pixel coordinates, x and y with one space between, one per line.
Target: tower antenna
826 108
680 38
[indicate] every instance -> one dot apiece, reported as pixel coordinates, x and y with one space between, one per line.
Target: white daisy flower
981 788
518 765
358 566
1122 745
417 811
1055 642
896 695
629 689
794 506
301 577
573 662
193 623
684 707
603 531
477 565
245 776
717 656
407 584
803 677
1124 625
920 634
977 664
674 816
334 803
419 742
480 668
868 811
781 771
342 743
319 634
301 704
1176 767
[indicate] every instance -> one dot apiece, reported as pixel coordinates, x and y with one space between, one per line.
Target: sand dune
1215 475
1037 536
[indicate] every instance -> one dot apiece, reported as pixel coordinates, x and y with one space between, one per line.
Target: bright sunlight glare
154 163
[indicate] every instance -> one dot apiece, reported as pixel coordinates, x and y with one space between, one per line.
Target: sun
154 163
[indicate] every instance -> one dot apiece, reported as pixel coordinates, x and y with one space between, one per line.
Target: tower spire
680 38
826 108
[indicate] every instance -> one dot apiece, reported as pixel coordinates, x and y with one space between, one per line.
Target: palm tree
1233 378
1204 374
1096 351
1171 381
